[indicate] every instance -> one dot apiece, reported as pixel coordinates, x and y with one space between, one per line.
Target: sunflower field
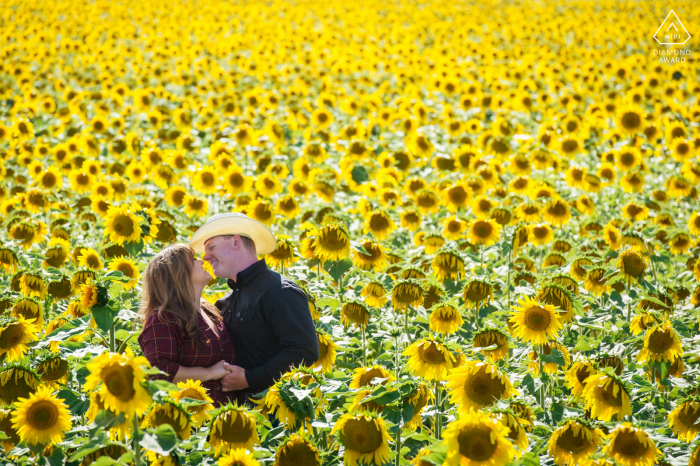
492 206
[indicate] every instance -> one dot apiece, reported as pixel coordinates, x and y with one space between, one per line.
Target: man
266 313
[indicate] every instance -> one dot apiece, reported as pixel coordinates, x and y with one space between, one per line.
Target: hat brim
264 239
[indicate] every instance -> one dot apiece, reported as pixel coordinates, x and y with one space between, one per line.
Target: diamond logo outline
674 27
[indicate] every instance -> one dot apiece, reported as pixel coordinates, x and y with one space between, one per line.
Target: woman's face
200 277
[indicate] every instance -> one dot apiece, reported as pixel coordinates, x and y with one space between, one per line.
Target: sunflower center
627 444
484 389
322 350
11 336
457 195
573 443
378 222
123 225
126 269
557 210
606 395
569 146
426 200
483 229
120 382
239 431
631 120
42 415
476 444
540 232
454 227
689 416
333 241
634 264
368 376
660 341
207 179
582 375
537 319
263 211
297 454
431 354
361 435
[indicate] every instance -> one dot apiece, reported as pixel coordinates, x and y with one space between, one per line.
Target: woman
183 335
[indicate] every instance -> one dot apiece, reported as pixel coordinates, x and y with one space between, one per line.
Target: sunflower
605 396
445 319
195 206
418 400
354 312
684 420
660 344
6 427
29 309
548 367
447 264
456 197
643 321
476 439
364 376
432 242
521 236
491 337
194 390
327 351
9 261
559 297
541 234
297 450
90 259
406 293
577 376
596 282
630 446
630 120
33 285
374 294
332 243
579 266
128 268
54 371
379 224
175 196
122 225
410 219
41 418
205 180
15 333
454 228
170 413
365 438
535 322
232 427
429 359
517 434
476 384
484 231
119 378
374 259
635 212
237 457
476 291
557 212
679 243
60 289
573 442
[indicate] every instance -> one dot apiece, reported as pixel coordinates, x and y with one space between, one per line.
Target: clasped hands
232 376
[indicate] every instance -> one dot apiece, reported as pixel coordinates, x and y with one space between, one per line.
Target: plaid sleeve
160 343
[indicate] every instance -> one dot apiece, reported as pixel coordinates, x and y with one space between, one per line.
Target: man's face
220 253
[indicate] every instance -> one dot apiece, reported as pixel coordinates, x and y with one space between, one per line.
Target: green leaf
583 345
531 384
336 269
134 248
154 386
555 356
162 441
107 419
77 404
73 328
104 317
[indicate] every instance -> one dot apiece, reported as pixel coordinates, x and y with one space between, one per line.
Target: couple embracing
241 345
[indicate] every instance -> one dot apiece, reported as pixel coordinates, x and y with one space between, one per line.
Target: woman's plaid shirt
167 346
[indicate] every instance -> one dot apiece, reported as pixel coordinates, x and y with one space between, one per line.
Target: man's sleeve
290 321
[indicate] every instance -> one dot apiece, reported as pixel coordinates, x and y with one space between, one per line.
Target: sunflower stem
136 446
405 326
112 338
438 414
510 255
539 360
364 348
398 444
653 269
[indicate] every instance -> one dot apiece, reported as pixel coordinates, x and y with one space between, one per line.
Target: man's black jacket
269 320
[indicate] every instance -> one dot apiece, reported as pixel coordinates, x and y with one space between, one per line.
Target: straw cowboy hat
235 223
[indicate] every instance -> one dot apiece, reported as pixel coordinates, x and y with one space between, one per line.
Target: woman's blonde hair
167 287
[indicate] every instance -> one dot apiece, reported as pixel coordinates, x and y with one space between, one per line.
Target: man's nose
206 257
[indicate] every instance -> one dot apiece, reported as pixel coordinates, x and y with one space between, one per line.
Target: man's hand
235 380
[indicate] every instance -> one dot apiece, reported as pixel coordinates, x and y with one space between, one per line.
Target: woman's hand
218 371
